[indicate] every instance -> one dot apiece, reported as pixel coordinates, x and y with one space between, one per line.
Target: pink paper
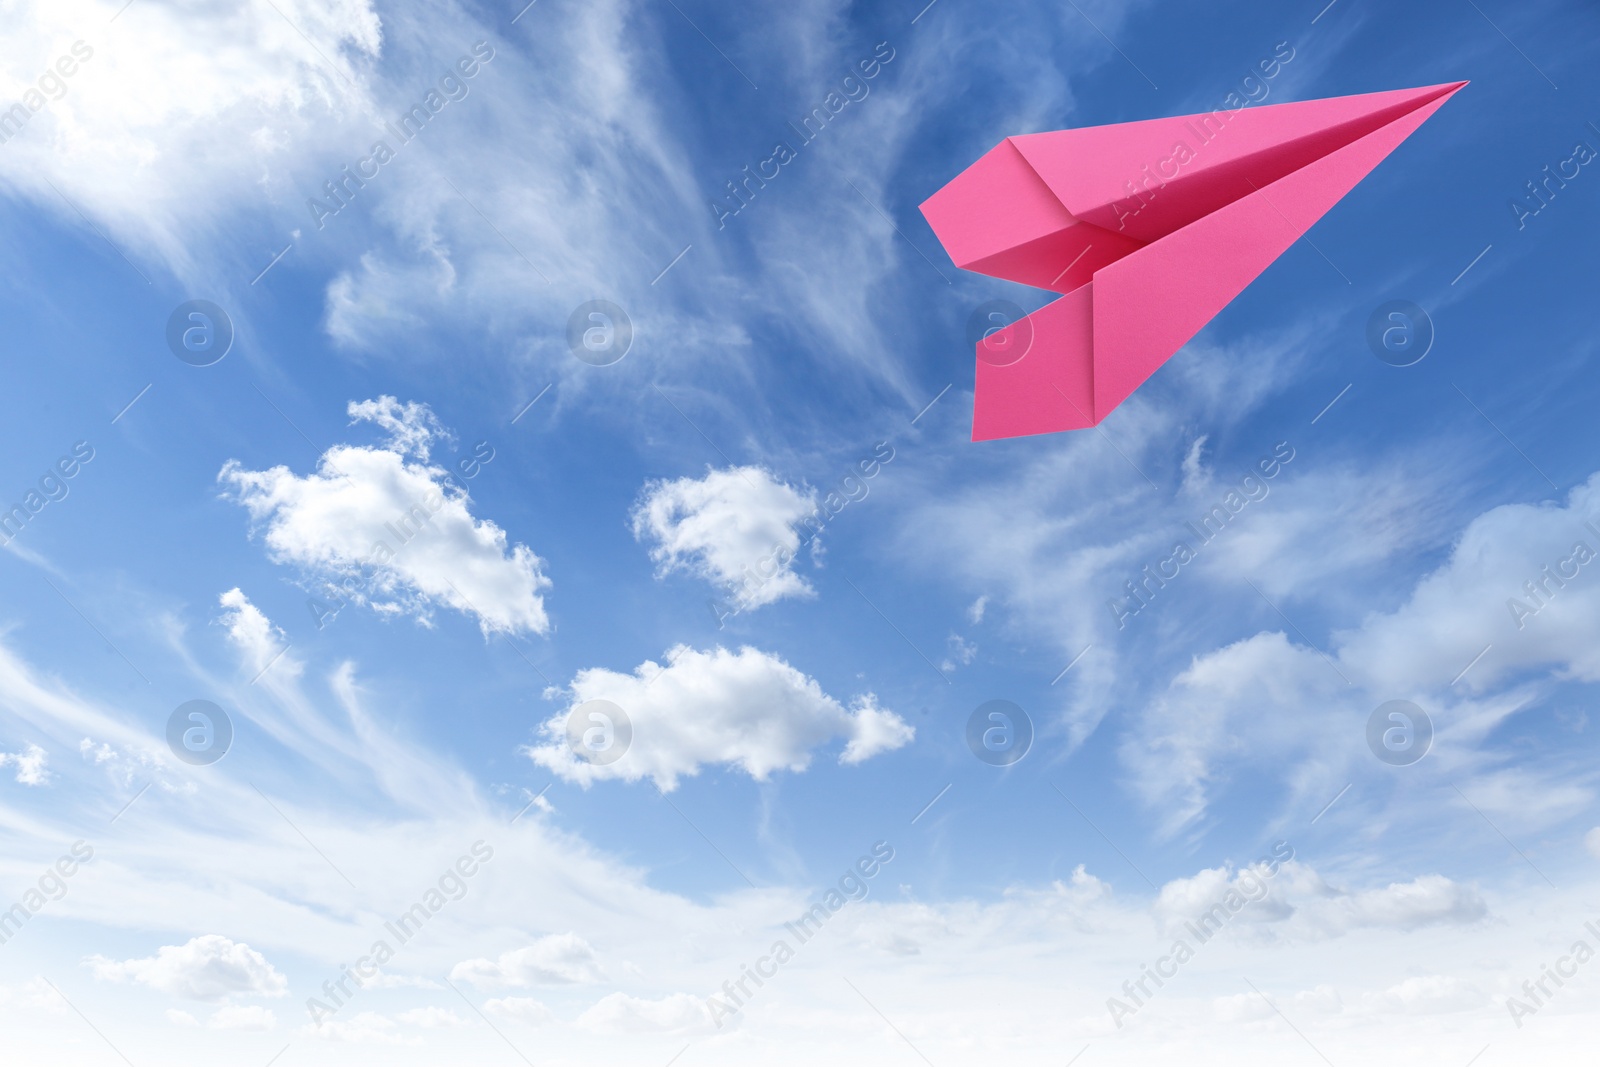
1148 229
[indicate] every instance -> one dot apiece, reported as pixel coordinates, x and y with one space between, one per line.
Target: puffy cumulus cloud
242 1017
737 528
1290 899
557 959
208 967
520 1009
30 764
747 709
621 1013
1245 894
381 526
171 112
1424 901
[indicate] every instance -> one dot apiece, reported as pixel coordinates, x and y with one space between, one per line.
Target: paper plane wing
1148 229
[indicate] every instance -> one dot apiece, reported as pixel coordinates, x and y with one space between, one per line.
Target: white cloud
30 764
257 638
1591 841
1430 994
1466 603
556 959
127 763
180 1018
873 729
1041 527
962 653
382 527
1247 894
431 1018
242 1017
976 609
1299 901
1208 720
1423 901
520 1009
1434 994
1207 723
170 116
412 426
747 709
1241 1008
208 967
737 528
187 122
384 980
621 1013
1291 545
33 996
363 1028
603 118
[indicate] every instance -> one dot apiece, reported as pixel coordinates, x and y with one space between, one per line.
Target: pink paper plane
1147 229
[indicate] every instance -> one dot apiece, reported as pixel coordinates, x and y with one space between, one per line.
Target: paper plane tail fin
1044 382
999 218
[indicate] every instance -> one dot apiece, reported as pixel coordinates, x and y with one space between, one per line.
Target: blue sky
774 351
